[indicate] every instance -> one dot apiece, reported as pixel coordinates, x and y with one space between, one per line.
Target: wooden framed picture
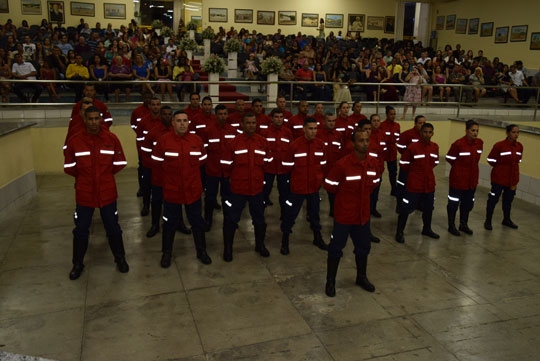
243 16
519 33
4 6
535 41
389 24
31 7
375 22
56 11
287 17
461 26
356 22
114 11
486 29
83 9
310 20
501 35
197 20
440 23
334 20
217 15
450 22
473 26
266 17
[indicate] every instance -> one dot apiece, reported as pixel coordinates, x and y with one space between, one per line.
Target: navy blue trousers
83 221
360 235
292 207
234 205
172 212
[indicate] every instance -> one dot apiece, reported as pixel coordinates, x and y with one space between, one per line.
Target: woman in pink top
439 78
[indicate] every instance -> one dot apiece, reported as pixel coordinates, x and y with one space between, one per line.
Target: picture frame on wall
356 22
333 20
389 24
501 35
535 41
197 20
486 29
287 17
266 17
114 11
439 25
31 7
56 11
83 9
461 26
473 26
375 22
217 15
519 33
310 20
4 6
450 22
243 16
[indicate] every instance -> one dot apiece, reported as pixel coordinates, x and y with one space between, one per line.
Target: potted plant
191 27
188 45
166 32
271 67
157 25
232 47
208 35
214 65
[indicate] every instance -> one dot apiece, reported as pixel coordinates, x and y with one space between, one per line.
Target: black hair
256 100
206 98
165 107
194 93
275 111
388 109
309 120
219 107
373 115
155 98
92 109
356 102
179 112
328 114
353 134
247 115
510 127
470 123
341 104
427 125
89 84
417 118
363 122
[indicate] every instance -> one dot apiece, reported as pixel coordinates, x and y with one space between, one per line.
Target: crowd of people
198 150
51 51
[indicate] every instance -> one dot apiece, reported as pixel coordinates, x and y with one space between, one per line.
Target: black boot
507 221
463 223
228 238
167 241
451 212
375 239
146 205
182 226
426 230
375 213
200 246
208 215
268 202
117 247
489 215
284 250
332 265
318 240
260 234
361 277
401 223
331 200
156 215
79 250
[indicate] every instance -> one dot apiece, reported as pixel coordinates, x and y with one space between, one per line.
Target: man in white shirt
518 80
25 71
423 58
29 47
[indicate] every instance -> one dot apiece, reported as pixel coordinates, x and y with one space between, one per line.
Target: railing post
459 100
292 94
536 102
378 98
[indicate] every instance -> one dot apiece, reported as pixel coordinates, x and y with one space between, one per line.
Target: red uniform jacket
107 117
235 119
218 138
192 113
320 120
180 158
353 181
200 122
505 158
464 156
377 147
137 114
306 160
148 144
419 160
355 118
296 125
94 160
343 126
244 160
407 137
333 143
145 126
263 121
287 115
391 130
279 143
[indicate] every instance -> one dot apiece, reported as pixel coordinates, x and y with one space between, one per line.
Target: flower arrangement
188 44
166 32
214 64
232 46
208 33
271 65
191 26
157 24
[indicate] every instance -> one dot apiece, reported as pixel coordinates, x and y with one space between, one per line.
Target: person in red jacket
263 120
391 129
296 122
136 116
194 107
405 139
333 143
463 155
244 160
281 104
218 136
419 160
89 91
504 157
145 126
180 155
200 121
342 120
357 115
93 156
77 124
306 160
235 118
352 180
279 139
318 114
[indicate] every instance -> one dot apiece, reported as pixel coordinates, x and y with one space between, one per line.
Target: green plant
166 32
188 44
191 26
157 24
271 65
208 33
214 64
232 46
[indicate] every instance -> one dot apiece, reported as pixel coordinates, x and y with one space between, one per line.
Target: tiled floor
466 298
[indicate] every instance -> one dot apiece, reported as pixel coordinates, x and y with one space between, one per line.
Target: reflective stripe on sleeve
298 155
157 158
171 154
69 165
120 162
80 154
353 177
331 182
241 151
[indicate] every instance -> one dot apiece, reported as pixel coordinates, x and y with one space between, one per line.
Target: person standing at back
392 132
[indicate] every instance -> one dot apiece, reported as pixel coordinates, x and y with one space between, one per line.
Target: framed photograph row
56 9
